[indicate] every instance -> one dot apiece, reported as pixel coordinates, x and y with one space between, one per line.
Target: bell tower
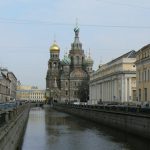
53 72
76 53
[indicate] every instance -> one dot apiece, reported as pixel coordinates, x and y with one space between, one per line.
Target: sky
109 28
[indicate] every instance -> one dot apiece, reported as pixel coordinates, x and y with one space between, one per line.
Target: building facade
114 81
13 85
65 76
30 93
143 73
4 86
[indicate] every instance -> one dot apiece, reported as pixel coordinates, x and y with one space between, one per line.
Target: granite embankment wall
12 127
130 119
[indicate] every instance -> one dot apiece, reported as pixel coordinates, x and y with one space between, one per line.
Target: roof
143 48
9 72
130 54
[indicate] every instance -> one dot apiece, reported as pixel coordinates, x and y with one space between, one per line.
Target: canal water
48 129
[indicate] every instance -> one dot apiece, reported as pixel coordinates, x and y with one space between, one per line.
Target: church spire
76 29
76 45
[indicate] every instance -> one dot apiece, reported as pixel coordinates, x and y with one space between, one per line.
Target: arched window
77 59
82 60
55 64
50 65
71 59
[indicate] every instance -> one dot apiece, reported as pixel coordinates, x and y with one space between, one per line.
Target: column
110 90
126 90
102 84
130 90
114 90
122 89
104 91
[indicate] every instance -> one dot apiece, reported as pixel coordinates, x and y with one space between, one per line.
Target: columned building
143 73
114 81
65 76
30 93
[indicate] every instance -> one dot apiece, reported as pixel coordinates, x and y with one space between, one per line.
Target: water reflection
49 129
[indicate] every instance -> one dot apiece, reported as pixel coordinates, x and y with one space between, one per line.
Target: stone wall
13 127
130 120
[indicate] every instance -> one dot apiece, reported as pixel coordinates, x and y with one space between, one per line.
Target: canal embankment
129 119
12 127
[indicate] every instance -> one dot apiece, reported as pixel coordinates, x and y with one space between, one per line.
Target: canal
48 129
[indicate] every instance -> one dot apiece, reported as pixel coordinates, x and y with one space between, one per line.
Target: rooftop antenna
54 38
86 54
76 22
101 60
89 53
66 52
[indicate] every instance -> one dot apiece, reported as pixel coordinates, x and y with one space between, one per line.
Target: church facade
64 77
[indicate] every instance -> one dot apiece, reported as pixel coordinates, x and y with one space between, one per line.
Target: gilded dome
54 48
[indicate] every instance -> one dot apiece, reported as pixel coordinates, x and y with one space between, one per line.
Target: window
139 76
54 64
75 83
142 76
50 64
148 75
77 59
82 60
66 83
71 59
66 93
75 93
145 93
139 94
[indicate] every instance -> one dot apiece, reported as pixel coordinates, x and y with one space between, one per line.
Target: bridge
37 103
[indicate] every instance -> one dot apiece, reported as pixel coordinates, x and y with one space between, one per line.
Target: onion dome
66 60
89 60
54 48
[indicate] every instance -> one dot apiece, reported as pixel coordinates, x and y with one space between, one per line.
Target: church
64 77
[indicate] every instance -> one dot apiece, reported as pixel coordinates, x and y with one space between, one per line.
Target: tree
83 91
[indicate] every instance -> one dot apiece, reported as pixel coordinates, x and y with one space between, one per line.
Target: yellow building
30 93
143 73
114 81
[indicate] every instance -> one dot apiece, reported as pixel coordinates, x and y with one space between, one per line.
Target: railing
9 112
2 118
8 106
110 108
